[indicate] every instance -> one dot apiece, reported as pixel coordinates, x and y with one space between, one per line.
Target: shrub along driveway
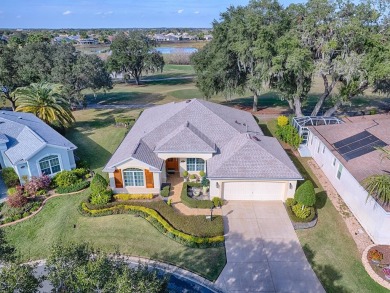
263 252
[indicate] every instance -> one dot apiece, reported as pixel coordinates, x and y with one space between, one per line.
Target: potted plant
185 175
202 173
375 256
205 184
193 178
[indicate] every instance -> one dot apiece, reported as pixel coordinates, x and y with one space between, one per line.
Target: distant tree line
265 46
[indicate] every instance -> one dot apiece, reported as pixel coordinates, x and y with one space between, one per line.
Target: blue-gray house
31 147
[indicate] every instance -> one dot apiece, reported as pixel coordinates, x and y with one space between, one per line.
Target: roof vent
237 122
188 101
3 112
256 138
248 135
19 117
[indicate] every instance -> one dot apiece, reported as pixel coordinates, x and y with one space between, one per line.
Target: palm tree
45 101
378 186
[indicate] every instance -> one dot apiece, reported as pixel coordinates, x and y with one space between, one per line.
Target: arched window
50 165
133 177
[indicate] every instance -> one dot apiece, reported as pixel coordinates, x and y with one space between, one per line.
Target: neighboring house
31 147
241 163
347 155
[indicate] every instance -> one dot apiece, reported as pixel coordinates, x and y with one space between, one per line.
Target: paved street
263 251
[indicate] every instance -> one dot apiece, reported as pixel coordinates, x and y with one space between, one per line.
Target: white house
31 147
347 155
194 135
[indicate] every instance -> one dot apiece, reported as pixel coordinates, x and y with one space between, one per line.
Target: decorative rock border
303 225
370 271
41 207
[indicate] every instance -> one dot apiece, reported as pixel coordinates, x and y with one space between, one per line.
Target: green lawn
123 233
96 135
328 246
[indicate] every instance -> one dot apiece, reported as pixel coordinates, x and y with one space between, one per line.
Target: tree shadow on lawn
321 199
125 98
326 273
88 150
169 82
267 100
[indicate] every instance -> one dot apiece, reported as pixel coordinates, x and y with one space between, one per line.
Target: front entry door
172 164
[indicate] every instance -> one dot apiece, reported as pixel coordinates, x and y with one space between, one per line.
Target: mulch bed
385 249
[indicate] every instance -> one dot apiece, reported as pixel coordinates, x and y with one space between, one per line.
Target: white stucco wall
132 163
374 219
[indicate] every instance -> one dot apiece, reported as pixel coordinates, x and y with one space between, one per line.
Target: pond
171 50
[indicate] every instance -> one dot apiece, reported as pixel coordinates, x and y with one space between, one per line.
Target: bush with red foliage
37 183
17 200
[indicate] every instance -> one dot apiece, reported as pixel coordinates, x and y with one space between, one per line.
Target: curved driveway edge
263 252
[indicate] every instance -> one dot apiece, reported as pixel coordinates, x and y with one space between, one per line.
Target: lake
170 50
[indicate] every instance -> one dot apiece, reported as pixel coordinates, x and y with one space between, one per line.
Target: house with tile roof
31 147
347 154
195 135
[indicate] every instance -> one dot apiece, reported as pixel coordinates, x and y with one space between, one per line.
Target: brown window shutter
118 178
149 179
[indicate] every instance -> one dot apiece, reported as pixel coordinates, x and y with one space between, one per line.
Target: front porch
176 189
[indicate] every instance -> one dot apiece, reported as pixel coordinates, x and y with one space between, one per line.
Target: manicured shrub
165 191
73 188
282 120
305 194
80 172
101 198
169 202
37 183
218 202
185 173
202 173
301 211
291 202
194 203
98 184
289 135
17 200
126 196
205 182
10 177
192 176
11 191
65 178
25 214
82 164
158 222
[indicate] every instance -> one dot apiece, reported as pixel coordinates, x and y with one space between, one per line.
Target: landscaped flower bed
194 203
379 260
128 196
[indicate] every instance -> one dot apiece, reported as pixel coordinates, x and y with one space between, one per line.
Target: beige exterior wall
157 177
217 187
183 160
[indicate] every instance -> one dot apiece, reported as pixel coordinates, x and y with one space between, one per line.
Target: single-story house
195 135
347 154
31 147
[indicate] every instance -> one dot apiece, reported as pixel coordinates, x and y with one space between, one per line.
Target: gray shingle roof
201 126
252 157
26 134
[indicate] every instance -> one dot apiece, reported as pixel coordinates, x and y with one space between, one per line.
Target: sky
113 13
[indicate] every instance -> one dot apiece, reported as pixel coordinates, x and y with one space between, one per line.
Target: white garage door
253 190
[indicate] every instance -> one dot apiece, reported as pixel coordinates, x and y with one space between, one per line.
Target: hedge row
159 223
73 188
194 203
193 225
126 196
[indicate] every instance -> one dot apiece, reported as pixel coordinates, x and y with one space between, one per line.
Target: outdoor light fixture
216 184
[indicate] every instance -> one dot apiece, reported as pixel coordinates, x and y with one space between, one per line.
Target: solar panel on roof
358 145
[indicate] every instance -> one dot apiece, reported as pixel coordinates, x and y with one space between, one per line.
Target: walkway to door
263 252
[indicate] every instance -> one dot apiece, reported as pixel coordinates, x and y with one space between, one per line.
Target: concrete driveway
263 251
